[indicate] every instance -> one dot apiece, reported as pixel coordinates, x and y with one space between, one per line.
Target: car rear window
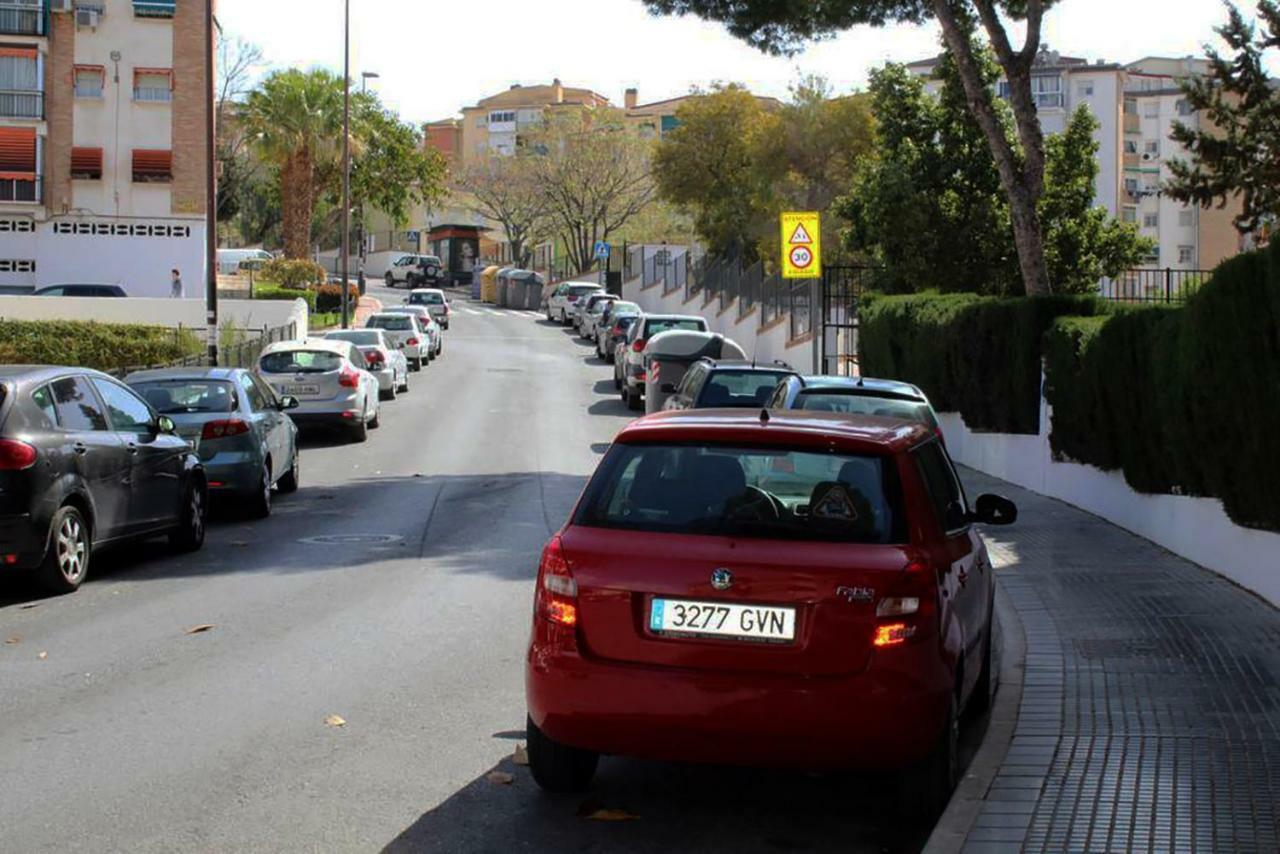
399 323
182 397
301 362
859 404
361 338
739 388
656 325
426 299
579 290
770 493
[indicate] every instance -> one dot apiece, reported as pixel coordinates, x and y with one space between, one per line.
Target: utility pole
346 157
365 77
211 196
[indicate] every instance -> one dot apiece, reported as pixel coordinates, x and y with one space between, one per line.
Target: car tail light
223 428
412 342
892 634
348 378
638 345
16 456
375 359
557 596
906 614
617 329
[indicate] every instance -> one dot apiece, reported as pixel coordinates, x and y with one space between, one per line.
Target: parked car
591 312
435 301
632 370
428 323
803 590
237 425
329 380
565 297
86 463
405 334
858 396
611 330
80 291
725 384
415 271
381 358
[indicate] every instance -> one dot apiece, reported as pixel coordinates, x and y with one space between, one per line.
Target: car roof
675 317
427 291
745 365
595 285
330 344
41 373
853 385
822 430
189 373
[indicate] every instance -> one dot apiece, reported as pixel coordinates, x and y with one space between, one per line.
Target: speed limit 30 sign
801 245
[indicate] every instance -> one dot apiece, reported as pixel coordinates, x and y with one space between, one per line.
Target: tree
1233 152
783 27
505 189
391 169
237 62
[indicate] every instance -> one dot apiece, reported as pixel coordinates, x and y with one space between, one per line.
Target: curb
952 829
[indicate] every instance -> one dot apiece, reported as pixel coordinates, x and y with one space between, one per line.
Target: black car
80 291
86 462
726 383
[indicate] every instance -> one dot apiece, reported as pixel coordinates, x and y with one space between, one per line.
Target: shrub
103 346
278 292
329 297
297 273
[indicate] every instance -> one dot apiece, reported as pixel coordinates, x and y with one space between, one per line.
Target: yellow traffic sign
801 245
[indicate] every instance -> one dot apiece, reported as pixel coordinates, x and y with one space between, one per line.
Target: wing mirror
288 402
164 424
992 509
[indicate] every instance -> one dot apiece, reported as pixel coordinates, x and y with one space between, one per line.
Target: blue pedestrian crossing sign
602 250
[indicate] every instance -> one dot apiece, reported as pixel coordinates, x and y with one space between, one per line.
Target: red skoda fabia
786 588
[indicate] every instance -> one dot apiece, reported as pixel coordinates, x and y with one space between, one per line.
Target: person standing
175 288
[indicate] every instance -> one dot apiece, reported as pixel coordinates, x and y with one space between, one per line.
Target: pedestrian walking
175 289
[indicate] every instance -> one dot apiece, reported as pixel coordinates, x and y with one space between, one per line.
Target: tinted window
426 299
181 397
129 414
656 325
78 408
943 487
400 323
909 410
46 415
359 337
301 362
266 391
739 388
256 401
747 492
579 290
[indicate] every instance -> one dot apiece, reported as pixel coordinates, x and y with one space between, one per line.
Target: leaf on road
521 756
14 639
500 778
42 655
203 627
595 811
335 720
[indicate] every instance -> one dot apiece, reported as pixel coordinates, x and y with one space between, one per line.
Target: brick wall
191 89
57 109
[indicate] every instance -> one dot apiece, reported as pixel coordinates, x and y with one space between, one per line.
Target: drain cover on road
351 539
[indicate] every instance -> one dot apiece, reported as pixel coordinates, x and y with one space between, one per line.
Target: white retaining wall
243 314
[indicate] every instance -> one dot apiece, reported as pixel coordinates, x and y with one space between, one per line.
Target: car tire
635 402
376 421
189 535
66 559
617 383
389 279
564 321
415 364
259 503
290 480
404 386
557 767
389 394
925 788
984 688
360 430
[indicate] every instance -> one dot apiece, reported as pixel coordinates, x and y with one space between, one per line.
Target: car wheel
259 504
925 788
389 394
289 481
389 279
415 364
564 321
550 319
980 699
376 421
404 385
189 535
66 562
617 381
635 402
360 430
557 767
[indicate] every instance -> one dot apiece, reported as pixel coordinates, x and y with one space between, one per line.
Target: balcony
19 187
21 104
21 17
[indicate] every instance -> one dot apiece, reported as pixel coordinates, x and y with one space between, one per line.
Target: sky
436 56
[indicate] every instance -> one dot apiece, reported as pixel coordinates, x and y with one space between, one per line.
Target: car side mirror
288 402
990 509
667 388
164 424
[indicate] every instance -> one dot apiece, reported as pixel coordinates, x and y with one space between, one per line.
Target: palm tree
295 120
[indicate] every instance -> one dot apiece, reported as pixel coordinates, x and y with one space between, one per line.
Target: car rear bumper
22 542
343 418
386 379
886 717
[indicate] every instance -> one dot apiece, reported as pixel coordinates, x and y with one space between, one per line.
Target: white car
381 359
631 374
434 300
414 271
563 300
405 334
329 381
428 324
590 312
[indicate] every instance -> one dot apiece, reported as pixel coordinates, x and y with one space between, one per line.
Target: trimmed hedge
88 344
298 273
278 292
1183 401
329 297
979 356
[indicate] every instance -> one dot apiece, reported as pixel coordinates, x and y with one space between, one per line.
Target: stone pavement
1150 712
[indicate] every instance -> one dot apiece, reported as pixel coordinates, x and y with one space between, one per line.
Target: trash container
476 284
504 287
668 356
489 284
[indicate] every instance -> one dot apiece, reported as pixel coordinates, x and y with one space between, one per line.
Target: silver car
591 312
381 359
633 365
328 379
428 323
435 301
565 298
237 425
405 334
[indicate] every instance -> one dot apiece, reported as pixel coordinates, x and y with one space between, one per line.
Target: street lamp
366 76
211 195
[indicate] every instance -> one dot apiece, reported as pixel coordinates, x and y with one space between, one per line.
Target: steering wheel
756 505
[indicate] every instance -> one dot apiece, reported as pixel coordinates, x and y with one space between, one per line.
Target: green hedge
979 356
329 297
104 346
297 273
1183 401
277 292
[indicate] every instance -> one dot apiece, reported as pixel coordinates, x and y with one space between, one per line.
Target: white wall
244 314
376 264
1196 528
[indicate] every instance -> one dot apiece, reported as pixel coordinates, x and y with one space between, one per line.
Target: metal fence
1154 285
241 351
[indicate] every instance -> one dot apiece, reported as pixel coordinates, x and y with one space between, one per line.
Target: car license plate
300 390
768 623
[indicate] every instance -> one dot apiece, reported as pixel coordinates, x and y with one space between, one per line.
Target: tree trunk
296 204
1021 178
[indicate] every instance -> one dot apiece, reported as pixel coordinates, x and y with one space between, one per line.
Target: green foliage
265 291
102 346
1233 146
1181 400
293 273
329 297
391 168
976 355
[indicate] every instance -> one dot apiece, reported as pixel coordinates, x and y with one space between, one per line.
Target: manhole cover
351 539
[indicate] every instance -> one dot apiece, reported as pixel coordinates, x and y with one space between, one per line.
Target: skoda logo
721 579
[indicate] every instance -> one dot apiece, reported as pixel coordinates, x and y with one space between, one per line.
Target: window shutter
86 163
152 164
17 153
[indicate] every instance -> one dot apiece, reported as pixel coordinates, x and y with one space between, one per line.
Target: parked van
229 259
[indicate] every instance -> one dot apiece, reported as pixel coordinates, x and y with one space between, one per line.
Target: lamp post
365 77
346 157
211 196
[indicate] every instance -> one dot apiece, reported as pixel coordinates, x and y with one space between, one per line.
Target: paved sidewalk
366 306
1150 712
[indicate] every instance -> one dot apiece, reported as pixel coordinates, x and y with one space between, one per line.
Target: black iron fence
1154 285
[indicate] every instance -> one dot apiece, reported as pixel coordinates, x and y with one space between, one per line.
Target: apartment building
1136 105
658 118
493 125
102 143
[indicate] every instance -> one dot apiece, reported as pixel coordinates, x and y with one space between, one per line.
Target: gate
838 344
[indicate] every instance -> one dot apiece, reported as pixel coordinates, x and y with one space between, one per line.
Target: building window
86 164
1152 147
1047 90
154 8
1084 89
1131 186
1131 106
1130 146
152 85
1129 213
21 92
152 165
1186 254
502 117
89 80
1186 218
1151 108
18 179
1183 107
1151 220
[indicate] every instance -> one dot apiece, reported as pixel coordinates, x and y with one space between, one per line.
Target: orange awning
20 52
18 150
152 162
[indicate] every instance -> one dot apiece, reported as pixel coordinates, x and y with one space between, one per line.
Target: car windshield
740 388
579 290
656 325
865 404
426 299
397 323
182 397
359 337
301 362
770 493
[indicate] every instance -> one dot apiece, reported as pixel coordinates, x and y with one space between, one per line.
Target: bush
979 356
297 273
329 297
278 292
87 344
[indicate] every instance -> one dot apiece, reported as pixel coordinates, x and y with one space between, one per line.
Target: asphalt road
121 732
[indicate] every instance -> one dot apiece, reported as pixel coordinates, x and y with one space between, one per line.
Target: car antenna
764 416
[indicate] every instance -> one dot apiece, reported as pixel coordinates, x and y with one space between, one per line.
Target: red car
790 588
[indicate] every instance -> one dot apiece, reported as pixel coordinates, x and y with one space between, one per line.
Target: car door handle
133 448
80 448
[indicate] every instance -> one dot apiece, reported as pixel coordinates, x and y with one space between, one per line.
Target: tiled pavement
1150 714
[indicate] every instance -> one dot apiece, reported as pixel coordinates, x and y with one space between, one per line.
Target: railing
771 290
1166 285
21 104
22 19
800 307
20 189
749 288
